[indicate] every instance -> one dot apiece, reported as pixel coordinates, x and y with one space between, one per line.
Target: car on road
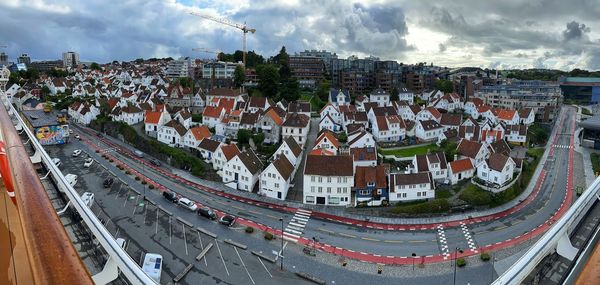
57 161
88 162
207 212
108 182
76 152
155 162
227 220
171 196
78 137
139 154
70 132
188 204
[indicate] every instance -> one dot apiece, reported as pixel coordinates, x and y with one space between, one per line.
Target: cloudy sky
500 34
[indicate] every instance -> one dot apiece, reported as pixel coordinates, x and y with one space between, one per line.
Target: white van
139 154
88 199
153 266
72 179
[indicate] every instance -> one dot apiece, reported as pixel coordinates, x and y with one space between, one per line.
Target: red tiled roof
320 151
330 137
200 132
212 112
230 151
152 117
461 165
370 174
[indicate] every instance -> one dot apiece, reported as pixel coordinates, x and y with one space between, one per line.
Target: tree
268 79
394 95
239 76
139 60
197 118
283 59
185 82
290 90
45 90
95 66
449 148
243 136
343 137
444 85
323 90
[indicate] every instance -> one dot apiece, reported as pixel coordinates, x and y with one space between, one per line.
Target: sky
561 34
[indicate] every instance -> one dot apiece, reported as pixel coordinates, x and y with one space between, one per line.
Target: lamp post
281 253
414 255
456 251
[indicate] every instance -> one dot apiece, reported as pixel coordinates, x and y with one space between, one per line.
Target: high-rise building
221 69
178 68
46 65
3 59
307 69
24 58
324 55
70 59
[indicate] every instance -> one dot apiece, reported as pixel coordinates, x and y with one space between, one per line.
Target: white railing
126 264
548 242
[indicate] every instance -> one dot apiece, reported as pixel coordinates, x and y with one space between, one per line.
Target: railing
548 242
43 252
126 264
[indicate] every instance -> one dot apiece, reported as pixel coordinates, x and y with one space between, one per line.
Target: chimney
455 157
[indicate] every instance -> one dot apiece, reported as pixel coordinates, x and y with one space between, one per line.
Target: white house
327 141
429 113
472 106
459 170
297 126
332 111
411 186
194 136
339 97
434 163
223 155
516 134
406 95
291 150
328 180
509 117
389 128
207 148
171 133
477 152
276 178
242 171
154 120
379 96
526 116
131 114
428 130
327 123
360 139
497 169
212 115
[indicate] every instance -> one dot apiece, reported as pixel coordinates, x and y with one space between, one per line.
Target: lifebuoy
5 172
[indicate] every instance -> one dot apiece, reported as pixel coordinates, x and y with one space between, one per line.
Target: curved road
435 241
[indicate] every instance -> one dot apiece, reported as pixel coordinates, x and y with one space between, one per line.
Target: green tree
45 90
268 80
323 90
197 118
258 138
239 76
185 82
394 95
283 59
14 78
139 60
290 91
95 66
243 136
444 85
342 137
449 148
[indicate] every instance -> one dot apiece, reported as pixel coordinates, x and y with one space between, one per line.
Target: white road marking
219 249
248 272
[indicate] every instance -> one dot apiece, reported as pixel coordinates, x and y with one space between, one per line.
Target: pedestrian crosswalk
562 146
443 241
295 227
468 236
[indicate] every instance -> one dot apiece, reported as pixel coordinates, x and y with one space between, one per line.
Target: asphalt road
400 243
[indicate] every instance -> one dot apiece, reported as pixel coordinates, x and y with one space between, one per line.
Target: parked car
88 162
171 196
78 137
188 204
139 154
108 182
207 212
155 162
56 161
227 220
76 152
72 179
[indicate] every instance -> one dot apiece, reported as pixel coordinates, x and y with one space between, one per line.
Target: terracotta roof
451 119
249 118
200 132
347 108
370 175
505 114
152 117
283 166
296 120
434 112
212 112
251 161
483 109
524 112
293 145
461 165
354 127
177 126
415 109
381 123
464 130
363 154
230 151
328 136
208 144
271 113
321 151
497 161
409 179
335 165
468 148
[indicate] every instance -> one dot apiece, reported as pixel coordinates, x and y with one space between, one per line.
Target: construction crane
217 52
242 27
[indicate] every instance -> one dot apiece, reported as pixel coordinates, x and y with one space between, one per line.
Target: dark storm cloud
575 31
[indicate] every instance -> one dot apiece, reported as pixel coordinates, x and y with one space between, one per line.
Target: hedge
249 230
461 262
269 236
433 206
485 256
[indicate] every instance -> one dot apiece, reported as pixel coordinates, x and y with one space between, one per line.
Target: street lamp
414 255
456 251
281 253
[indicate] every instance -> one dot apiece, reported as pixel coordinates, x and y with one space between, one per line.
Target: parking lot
158 226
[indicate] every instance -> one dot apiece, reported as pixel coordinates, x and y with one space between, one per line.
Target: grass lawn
406 152
595 162
476 196
445 194
422 207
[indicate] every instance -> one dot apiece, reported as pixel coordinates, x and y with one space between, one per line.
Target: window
320 179
418 194
312 179
310 199
276 185
312 189
320 189
329 190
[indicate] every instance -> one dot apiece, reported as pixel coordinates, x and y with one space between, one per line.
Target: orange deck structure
591 272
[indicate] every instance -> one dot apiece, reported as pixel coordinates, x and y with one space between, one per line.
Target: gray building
3 59
70 59
24 58
179 68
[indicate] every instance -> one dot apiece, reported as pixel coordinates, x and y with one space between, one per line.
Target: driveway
295 193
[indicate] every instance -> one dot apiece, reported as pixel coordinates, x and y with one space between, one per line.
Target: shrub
423 207
269 236
137 178
484 256
111 160
150 186
461 262
127 172
475 196
249 230
144 182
